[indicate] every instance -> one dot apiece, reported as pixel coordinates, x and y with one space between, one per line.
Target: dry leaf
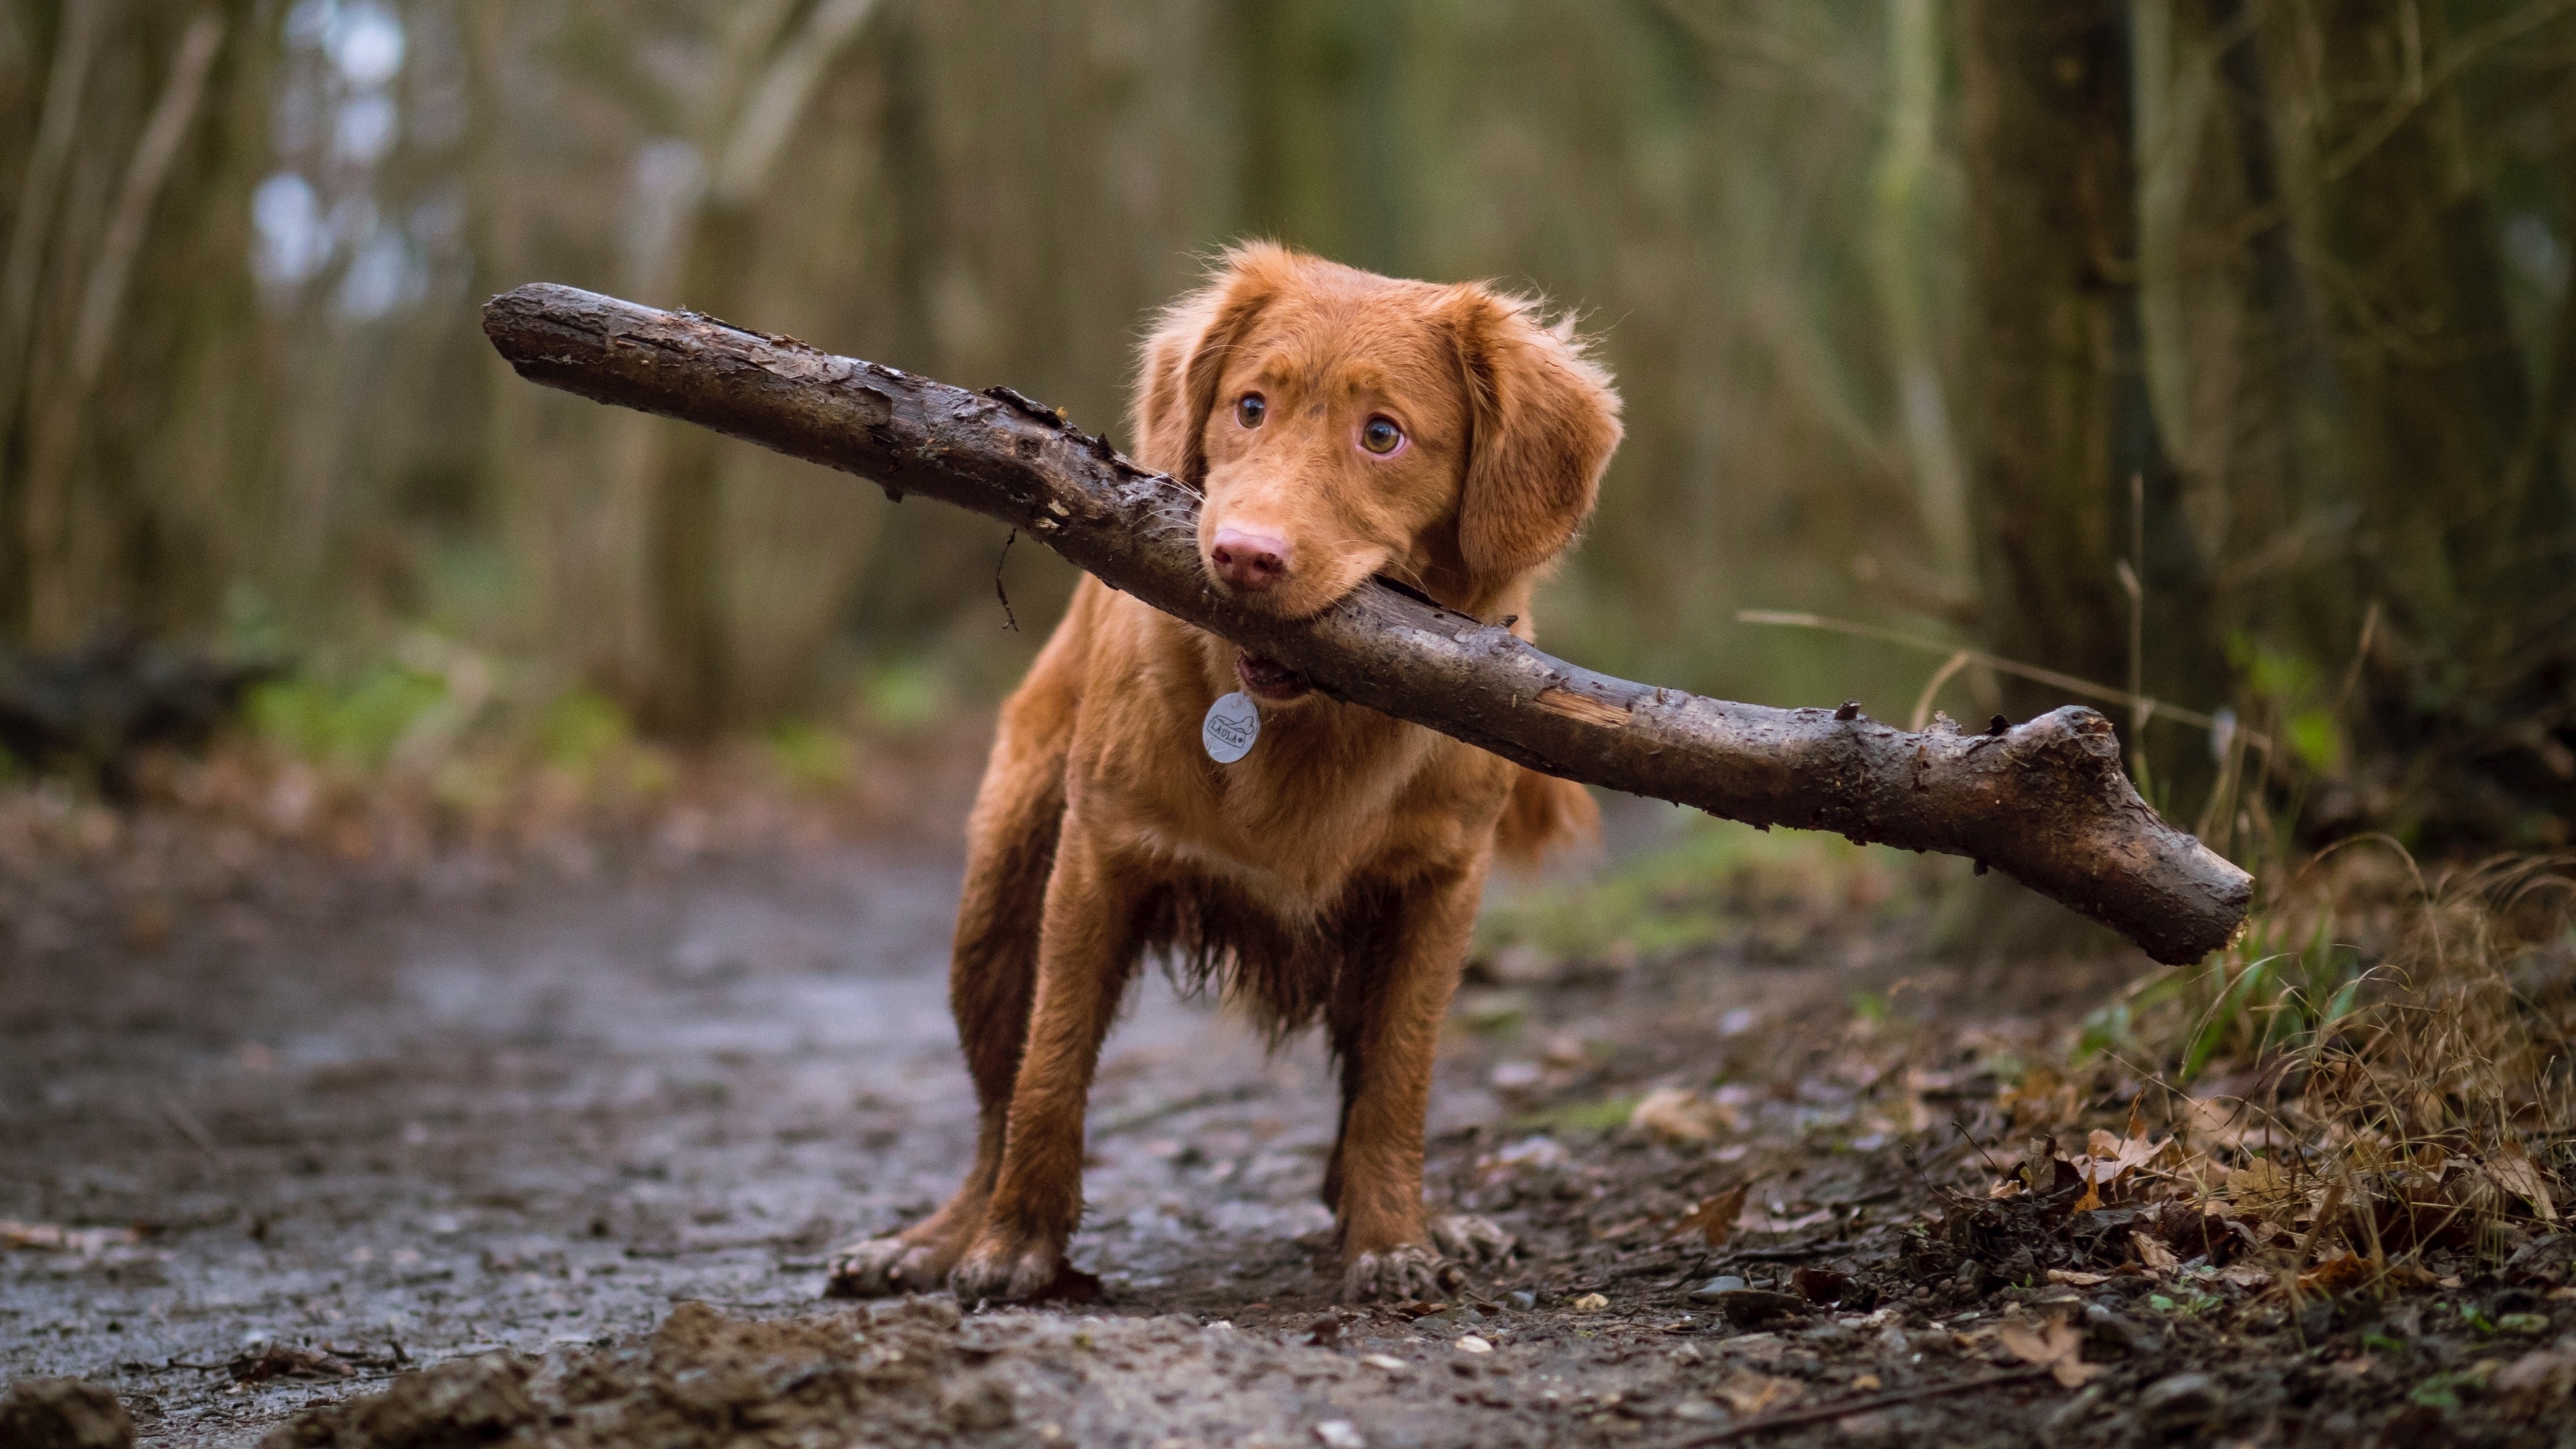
2157 1257
2246 1275
2336 1274
2216 1121
1755 1220
2516 1173
1713 1217
1751 1393
2080 1280
2107 1157
1621 1230
2040 1099
2542 1376
2408 1274
1678 1114
2261 1187
2057 1348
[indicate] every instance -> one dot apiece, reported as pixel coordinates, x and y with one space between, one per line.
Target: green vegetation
1718 883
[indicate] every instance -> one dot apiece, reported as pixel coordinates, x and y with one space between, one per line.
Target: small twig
1826 1413
2081 688
189 1127
719 1245
1958 660
1961 1127
1786 1252
1010 621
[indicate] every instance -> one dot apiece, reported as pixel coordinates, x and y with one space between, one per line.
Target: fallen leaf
2408 1274
2516 1173
1713 1217
2262 1188
2040 1098
2058 1348
1755 1220
1820 1285
2080 1280
1589 1303
2336 1274
1679 1114
2155 1255
2246 1275
1750 1393
1621 1230
2544 1375
2108 1157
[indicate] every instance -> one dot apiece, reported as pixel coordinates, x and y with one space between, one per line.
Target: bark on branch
2046 802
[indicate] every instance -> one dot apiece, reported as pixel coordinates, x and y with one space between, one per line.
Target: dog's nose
1248 560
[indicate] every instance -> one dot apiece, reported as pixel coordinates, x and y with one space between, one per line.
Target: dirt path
534 1118
465 1114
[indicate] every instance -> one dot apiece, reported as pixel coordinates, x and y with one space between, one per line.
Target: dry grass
2377 1077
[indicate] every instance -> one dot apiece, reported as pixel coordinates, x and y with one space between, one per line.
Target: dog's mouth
1267 678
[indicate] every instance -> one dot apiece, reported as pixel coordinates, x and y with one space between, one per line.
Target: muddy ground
318 1124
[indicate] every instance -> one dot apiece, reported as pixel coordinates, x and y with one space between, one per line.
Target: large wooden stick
2046 801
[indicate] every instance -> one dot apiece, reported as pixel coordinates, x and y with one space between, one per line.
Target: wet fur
1332 876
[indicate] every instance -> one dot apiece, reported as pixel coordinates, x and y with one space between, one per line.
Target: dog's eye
1250 409
1381 435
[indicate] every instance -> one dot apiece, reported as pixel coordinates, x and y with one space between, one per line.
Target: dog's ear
1543 419
1186 355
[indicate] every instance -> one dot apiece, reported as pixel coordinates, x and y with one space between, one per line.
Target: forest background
2219 355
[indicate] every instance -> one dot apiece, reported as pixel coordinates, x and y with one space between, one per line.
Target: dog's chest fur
1285 873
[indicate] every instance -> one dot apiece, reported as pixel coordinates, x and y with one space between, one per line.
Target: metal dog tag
1232 724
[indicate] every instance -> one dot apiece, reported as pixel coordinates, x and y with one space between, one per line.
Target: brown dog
1340 424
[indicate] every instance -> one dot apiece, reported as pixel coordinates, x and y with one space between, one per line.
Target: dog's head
1342 424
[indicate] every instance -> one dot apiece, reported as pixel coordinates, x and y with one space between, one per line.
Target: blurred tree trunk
1322 160
31 262
2463 531
122 276
1897 244
774 70
2060 425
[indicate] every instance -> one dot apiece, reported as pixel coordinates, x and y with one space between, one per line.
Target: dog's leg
1387 1031
1086 951
992 975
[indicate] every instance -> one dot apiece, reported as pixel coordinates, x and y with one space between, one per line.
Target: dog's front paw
1398 1273
1006 1266
881 1267
1471 1239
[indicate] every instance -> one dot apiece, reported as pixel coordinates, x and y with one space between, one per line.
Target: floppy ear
1186 355
1544 420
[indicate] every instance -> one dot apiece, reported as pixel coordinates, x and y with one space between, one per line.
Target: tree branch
2046 801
